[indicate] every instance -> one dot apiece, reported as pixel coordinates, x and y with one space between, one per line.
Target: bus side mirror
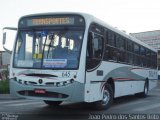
4 38
8 38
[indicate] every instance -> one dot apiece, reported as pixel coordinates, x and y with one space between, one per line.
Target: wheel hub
106 97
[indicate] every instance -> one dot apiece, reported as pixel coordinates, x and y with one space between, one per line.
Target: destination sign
50 21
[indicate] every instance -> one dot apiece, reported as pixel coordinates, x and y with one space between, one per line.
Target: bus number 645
65 74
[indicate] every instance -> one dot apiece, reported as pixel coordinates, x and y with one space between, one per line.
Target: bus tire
107 99
53 103
145 91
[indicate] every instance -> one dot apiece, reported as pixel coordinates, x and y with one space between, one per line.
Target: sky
129 15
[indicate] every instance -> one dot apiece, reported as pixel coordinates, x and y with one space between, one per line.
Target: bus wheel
145 92
107 99
146 89
53 103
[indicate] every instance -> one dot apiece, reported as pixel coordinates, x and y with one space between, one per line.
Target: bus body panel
127 79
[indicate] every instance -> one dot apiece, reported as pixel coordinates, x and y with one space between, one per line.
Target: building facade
152 38
4 58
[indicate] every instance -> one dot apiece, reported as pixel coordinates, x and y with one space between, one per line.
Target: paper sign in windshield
55 63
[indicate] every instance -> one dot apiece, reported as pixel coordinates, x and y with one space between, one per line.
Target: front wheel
107 99
53 103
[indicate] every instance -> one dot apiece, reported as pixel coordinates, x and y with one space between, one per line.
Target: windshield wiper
52 37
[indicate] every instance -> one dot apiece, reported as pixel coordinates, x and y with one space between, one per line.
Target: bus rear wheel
53 103
145 92
107 99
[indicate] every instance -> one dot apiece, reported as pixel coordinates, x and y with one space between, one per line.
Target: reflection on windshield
48 49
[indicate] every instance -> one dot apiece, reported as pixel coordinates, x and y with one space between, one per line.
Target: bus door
94 73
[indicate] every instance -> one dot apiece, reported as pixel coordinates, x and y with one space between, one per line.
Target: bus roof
91 18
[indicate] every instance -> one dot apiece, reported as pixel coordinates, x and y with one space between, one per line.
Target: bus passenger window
111 53
136 49
111 39
130 58
120 42
97 47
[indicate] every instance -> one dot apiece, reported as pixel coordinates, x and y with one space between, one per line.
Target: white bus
76 57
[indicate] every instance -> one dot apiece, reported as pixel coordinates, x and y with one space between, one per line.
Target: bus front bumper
73 92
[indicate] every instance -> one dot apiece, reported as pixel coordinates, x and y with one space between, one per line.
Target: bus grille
47 94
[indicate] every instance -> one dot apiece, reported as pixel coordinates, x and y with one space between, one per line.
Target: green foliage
4 81
4 86
4 74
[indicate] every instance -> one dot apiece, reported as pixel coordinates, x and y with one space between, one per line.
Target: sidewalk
8 97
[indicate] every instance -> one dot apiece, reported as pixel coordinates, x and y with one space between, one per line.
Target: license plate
40 91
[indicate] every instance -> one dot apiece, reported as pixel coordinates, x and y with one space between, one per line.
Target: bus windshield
48 49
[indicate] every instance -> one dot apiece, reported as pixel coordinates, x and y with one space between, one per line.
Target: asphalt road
123 108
